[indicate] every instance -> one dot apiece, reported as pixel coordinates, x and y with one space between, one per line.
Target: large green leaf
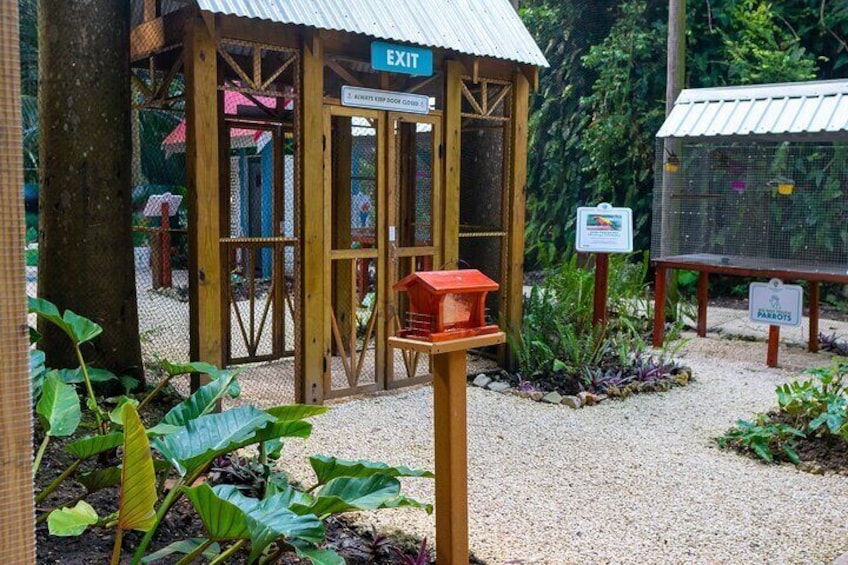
183 547
269 519
206 437
201 402
71 521
223 520
328 468
317 556
78 328
58 407
138 479
175 369
100 478
291 412
37 372
117 413
94 445
346 494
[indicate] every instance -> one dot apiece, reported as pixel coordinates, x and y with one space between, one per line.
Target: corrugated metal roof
799 109
487 28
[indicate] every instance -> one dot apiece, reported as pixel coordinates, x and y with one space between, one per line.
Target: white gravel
638 481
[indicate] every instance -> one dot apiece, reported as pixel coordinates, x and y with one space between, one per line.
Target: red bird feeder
446 304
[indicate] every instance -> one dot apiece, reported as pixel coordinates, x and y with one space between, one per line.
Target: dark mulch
818 454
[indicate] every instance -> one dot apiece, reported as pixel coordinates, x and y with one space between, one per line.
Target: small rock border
499 382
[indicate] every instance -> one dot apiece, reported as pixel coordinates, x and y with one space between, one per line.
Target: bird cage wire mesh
759 205
258 242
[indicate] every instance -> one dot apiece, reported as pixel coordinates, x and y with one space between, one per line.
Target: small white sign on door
360 97
604 229
775 303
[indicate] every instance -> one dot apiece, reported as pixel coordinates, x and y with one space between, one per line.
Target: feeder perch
446 304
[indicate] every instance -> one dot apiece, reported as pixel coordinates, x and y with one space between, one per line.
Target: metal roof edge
763 91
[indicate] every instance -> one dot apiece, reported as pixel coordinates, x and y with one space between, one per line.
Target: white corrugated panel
487 28
798 109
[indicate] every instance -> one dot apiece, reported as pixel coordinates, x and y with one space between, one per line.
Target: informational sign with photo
604 229
775 303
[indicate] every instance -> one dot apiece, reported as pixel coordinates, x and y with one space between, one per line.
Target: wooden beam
314 339
156 35
519 111
202 176
452 124
151 10
17 530
343 287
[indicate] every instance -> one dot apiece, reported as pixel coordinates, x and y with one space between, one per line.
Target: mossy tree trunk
86 260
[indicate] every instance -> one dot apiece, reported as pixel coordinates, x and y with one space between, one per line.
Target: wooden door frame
434 250
377 253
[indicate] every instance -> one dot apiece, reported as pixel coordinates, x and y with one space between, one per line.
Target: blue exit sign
401 59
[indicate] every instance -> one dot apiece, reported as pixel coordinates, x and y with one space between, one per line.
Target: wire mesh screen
160 230
17 544
354 317
763 205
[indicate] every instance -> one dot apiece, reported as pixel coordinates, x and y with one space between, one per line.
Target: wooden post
314 339
659 306
814 317
599 311
773 343
450 426
17 529
343 281
703 290
202 179
514 287
452 123
166 245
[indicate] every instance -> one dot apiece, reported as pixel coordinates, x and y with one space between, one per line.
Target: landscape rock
537 395
499 386
482 380
588 398
552 397
571 401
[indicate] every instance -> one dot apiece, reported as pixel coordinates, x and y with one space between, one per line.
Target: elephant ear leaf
71 521
58 407
138 480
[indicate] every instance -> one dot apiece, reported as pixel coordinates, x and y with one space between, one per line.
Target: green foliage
593 121
764 438
559 345
185 443
761 51
814 407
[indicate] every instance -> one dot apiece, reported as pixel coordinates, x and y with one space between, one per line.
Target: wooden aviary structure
403 129
753 188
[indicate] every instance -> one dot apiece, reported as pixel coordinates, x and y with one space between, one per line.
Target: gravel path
638 481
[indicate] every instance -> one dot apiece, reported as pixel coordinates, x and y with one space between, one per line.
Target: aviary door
355 258
414 228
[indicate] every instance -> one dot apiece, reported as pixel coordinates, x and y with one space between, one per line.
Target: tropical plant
182 447
764 438
560 346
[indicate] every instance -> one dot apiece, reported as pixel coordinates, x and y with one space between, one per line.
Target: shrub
559 344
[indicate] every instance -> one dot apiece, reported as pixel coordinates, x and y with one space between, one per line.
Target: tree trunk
86 259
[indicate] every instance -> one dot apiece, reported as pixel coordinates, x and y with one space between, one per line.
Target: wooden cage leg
659 306
703 289
814 317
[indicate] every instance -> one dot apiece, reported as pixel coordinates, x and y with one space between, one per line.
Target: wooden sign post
603 230
775 304
450 423
164 206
